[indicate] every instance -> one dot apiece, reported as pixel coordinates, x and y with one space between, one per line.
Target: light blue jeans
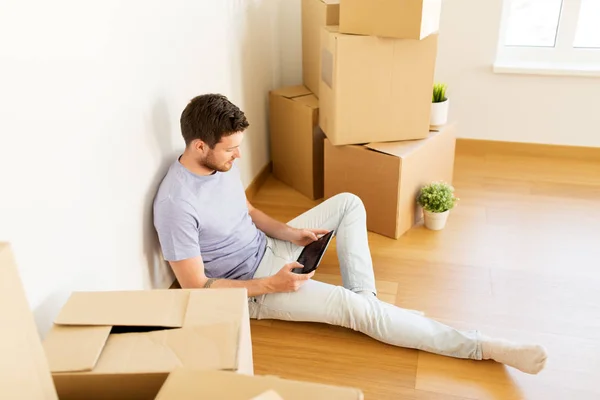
342 305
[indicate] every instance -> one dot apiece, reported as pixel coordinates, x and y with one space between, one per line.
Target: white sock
529 358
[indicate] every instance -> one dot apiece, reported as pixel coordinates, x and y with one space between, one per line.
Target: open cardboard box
117 345
388 176
132 340
25 370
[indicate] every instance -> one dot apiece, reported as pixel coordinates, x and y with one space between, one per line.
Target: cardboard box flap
332 28
308 100
331 1
268 395
213 346
164 308
187 384
75 349
399 149
24 372
291 92
215 306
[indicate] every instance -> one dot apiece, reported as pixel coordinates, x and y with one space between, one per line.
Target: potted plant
439 105
437 199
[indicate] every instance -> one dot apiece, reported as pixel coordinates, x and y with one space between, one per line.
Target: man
214 238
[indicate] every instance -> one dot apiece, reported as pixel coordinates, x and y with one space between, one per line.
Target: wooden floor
519 258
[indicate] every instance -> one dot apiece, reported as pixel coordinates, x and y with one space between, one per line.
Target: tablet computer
313 253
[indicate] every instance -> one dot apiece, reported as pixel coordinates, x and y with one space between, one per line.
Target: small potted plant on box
439 105
437 199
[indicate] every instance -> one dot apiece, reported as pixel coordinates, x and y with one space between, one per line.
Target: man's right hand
287 281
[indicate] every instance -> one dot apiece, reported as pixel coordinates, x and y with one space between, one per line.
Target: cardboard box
124 344
24 368
375 89
186 384
24 372
297 140
315 15
388 176
402 19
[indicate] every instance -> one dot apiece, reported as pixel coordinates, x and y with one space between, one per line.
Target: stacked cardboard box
377 73
297 140
296 137
375 64
375 89
137 345
402 19
388 176
316 14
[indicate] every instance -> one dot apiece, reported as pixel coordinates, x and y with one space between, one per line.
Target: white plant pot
435 221
439 113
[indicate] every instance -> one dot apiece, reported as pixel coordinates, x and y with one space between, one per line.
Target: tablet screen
311 254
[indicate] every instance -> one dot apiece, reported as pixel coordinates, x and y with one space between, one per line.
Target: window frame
562 59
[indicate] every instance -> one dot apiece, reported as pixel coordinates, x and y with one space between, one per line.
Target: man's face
225 152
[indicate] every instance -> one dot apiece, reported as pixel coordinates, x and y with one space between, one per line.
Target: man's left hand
303 237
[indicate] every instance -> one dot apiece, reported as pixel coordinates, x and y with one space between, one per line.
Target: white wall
290 49
90 98
519 108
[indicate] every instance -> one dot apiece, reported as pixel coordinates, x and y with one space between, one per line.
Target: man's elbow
189 274
193 283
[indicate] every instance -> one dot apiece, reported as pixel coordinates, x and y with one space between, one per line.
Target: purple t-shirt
207 216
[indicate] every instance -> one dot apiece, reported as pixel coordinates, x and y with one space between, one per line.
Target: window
550 36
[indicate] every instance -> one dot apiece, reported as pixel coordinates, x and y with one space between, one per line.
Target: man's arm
190 275
270 226
281 231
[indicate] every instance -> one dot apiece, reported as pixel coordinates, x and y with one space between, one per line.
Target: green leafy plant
439 92
437 197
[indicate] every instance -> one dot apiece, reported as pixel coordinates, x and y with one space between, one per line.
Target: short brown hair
209 117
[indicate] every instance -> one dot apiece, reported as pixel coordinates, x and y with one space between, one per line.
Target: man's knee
352 201
354 311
